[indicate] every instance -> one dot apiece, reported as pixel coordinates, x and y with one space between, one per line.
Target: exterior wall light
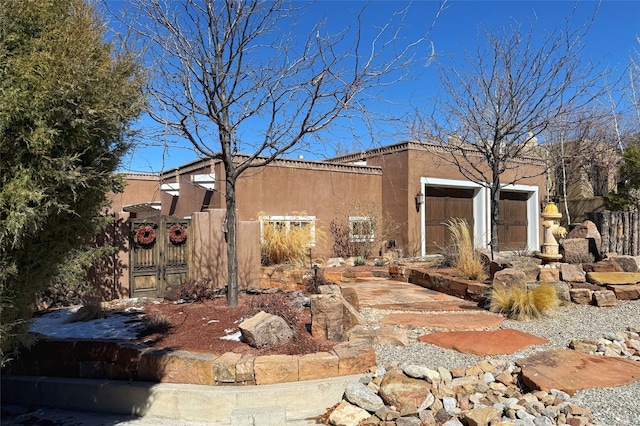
419 200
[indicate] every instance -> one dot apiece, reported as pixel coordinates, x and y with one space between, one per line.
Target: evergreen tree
627 196
66 99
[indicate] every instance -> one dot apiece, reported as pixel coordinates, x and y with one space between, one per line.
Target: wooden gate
441 205
159 255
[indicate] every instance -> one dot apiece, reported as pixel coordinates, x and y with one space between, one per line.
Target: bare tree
249 77
513 88
583 155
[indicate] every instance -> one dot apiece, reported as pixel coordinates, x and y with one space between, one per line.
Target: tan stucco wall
140 188
209 255
402 173
296 187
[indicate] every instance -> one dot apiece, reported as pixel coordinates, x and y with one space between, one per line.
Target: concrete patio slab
482 343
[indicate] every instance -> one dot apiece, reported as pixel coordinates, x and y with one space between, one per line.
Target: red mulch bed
198 326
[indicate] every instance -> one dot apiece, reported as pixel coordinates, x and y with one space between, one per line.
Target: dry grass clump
285 245
465 259
521 304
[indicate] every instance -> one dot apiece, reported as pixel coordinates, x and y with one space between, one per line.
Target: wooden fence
620 231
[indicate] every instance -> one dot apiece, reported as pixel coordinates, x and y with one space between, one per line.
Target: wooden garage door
441 205
512 221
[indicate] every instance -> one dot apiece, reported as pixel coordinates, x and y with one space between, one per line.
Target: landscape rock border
95 359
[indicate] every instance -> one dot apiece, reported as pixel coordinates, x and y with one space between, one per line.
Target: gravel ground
610 406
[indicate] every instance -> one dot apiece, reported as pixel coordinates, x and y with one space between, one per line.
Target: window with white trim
361 229
288 223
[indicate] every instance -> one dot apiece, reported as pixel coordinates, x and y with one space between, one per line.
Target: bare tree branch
511 88
242 77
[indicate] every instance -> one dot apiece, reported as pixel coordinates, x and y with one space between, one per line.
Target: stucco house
408 181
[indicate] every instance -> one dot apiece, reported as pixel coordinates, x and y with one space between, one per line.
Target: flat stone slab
571 371
481 343
446 321
614 278
376 293
432 305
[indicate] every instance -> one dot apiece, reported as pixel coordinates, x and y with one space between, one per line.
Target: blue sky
610 42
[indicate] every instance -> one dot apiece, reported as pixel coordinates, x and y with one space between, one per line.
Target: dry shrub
275 304
312 284
91 310
154 324
196 291
520 303
360 238
465 259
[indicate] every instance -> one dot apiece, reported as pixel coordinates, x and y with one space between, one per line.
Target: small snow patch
235 336
112 327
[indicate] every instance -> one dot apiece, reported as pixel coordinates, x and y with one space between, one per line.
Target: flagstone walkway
462 325
421 307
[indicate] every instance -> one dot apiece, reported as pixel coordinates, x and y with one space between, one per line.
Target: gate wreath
145 235
177 234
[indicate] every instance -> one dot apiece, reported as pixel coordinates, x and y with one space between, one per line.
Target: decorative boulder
264 329
508 278
527 265
576 250
327 316
627 263
589 231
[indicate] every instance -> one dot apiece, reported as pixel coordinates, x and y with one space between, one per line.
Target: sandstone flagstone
570 371
446 321
614 278
482 343
604 298
379 335
432 305
626 292
572 273
318 365
581 296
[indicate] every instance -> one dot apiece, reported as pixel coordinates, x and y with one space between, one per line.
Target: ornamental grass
285 245
520 303
465 259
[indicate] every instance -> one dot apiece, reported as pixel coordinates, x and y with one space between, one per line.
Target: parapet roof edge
400 146
141 175
282 162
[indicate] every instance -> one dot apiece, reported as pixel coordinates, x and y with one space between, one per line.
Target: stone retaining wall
92 359
465 289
